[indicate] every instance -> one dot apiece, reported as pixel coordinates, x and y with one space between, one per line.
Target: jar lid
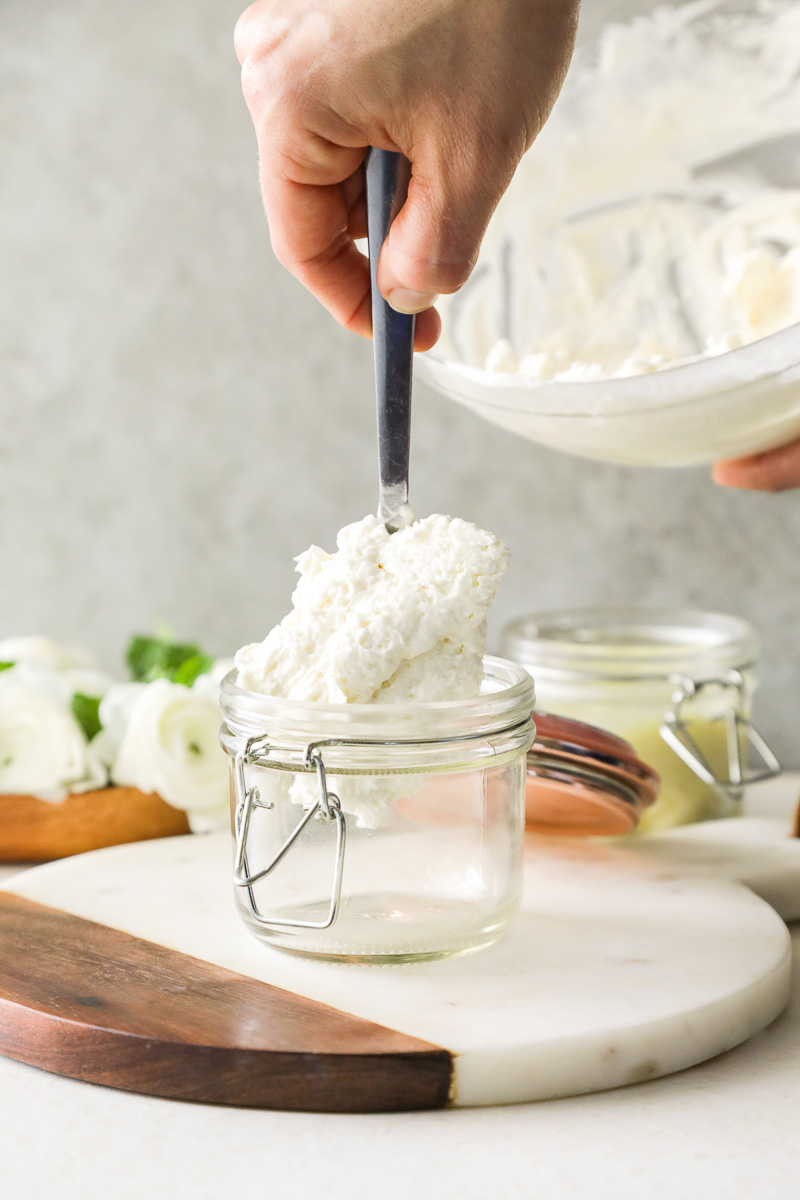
629 643
584 781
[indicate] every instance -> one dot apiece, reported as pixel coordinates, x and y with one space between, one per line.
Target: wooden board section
618 968
33 830
90 1002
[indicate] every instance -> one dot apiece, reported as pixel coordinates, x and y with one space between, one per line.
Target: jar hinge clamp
675 732
328 807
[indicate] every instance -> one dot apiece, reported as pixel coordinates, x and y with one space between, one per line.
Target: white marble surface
725 1130
615 970
754 850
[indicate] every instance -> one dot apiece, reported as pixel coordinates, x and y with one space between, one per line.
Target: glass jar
379 832
677 684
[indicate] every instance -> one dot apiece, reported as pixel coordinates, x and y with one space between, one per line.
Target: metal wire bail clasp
675 732
327 807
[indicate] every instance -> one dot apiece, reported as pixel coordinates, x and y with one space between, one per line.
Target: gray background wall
179 418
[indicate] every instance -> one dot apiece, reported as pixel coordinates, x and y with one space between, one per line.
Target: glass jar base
412 929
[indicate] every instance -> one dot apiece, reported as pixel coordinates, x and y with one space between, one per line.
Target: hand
772 471
461 87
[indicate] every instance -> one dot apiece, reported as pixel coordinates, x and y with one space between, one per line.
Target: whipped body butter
377 757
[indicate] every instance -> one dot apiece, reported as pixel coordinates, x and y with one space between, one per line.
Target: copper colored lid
578 733
584 781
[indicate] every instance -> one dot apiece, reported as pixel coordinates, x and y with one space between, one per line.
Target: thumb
434 240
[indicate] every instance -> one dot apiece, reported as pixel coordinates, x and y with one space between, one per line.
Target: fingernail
404 301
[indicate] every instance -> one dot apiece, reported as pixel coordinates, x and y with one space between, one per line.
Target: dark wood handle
90 1002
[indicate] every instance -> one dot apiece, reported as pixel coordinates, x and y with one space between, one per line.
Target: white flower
61 685
115 711
43 750
163 737
210 682
44 652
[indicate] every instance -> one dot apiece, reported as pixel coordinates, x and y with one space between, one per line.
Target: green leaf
188 671
86 711
163 630
144 657
5 666
160 658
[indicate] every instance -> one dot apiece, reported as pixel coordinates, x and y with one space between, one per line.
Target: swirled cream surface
657 217
387 618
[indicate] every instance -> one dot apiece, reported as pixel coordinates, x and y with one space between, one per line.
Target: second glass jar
676 683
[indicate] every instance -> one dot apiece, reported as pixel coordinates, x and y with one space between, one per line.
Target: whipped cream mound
387 618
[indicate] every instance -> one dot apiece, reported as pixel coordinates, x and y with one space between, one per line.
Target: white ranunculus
116 708
44 652
163 737
60 684
86 680
210 682
43 750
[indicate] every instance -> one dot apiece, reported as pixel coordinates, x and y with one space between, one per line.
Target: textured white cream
630 239
387 618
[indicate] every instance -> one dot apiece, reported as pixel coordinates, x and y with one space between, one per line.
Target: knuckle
252 80
281 256
307 158
280 247
275 90
259 30
242 34
260 41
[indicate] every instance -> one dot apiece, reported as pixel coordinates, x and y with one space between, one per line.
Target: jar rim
507 698
630 643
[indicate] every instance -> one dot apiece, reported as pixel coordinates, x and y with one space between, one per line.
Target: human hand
461 87
772 471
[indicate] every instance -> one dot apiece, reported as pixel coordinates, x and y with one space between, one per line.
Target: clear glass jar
676 684
379 832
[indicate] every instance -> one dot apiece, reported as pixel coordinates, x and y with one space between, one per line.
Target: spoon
387 177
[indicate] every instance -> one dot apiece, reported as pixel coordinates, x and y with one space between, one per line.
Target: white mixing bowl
736 403
703 410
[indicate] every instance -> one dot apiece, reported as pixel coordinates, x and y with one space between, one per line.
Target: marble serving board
756 851
620 967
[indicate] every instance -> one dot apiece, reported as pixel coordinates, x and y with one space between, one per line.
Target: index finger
311 231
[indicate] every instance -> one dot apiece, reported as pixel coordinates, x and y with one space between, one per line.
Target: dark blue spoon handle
387 178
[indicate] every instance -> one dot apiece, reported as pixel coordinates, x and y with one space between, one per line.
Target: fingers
310 231
773 471
433 244
313 131
313 230
313 192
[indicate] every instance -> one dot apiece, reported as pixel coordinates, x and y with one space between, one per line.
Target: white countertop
726 1129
